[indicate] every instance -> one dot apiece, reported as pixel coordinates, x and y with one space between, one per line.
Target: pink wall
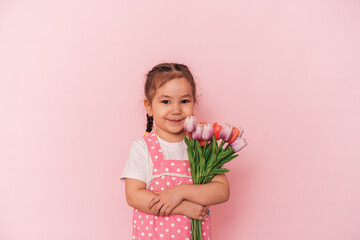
71 78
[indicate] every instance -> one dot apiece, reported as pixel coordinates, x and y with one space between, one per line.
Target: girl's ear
147 105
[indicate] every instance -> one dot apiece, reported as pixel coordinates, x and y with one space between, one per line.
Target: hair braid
149 123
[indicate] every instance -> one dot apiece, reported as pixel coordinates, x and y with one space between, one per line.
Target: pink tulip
234 135
226 132
238 144
197 133
208 132
190 124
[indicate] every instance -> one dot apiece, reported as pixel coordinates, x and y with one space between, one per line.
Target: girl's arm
215 192
138 197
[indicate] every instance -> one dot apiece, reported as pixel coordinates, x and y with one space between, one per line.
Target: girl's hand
193 210
166 200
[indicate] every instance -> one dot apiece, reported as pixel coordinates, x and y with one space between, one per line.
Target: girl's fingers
158 208
162 210
168 211
153 202
157 192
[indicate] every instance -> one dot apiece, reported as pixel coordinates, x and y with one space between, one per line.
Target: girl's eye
185 101
165 101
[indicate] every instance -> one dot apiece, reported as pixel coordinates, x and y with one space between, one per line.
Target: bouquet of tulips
206 157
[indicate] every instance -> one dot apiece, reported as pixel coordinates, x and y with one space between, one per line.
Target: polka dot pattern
168 173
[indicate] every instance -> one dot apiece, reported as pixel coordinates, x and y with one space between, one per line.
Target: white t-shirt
139 164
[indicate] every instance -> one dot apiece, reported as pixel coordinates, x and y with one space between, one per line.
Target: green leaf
196 167
188 142
224 154
201 157
214 146
191 154
207 152
208 178
228 159
214 149
217 171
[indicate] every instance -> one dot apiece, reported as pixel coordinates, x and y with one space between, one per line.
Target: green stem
196 229
220 147
204 154
227 147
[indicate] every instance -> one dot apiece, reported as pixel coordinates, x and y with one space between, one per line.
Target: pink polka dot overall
165 174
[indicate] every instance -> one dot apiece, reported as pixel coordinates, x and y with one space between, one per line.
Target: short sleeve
136 164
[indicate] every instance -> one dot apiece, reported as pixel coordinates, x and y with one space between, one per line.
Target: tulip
238 144
226 132
197 133
235 134
208 132
190 124
217 129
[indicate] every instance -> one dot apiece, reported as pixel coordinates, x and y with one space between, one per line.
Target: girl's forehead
175 87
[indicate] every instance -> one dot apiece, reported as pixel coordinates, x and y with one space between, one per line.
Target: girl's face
172 103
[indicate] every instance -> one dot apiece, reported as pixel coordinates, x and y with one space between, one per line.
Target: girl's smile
172 103
174 121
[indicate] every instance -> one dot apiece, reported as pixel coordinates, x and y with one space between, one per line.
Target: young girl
157 176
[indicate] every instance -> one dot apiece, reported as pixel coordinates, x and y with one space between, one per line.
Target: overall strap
153 146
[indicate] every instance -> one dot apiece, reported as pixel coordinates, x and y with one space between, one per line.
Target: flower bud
197 133
238 144
226 132
190 124
202 142
217 129
208 132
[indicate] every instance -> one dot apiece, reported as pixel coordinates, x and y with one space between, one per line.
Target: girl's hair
161 74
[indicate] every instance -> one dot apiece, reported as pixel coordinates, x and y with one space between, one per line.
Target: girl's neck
171 137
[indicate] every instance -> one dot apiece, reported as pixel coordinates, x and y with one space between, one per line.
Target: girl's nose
177 109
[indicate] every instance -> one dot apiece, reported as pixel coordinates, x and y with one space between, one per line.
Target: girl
157 176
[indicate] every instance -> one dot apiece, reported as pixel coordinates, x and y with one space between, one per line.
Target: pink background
71 79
